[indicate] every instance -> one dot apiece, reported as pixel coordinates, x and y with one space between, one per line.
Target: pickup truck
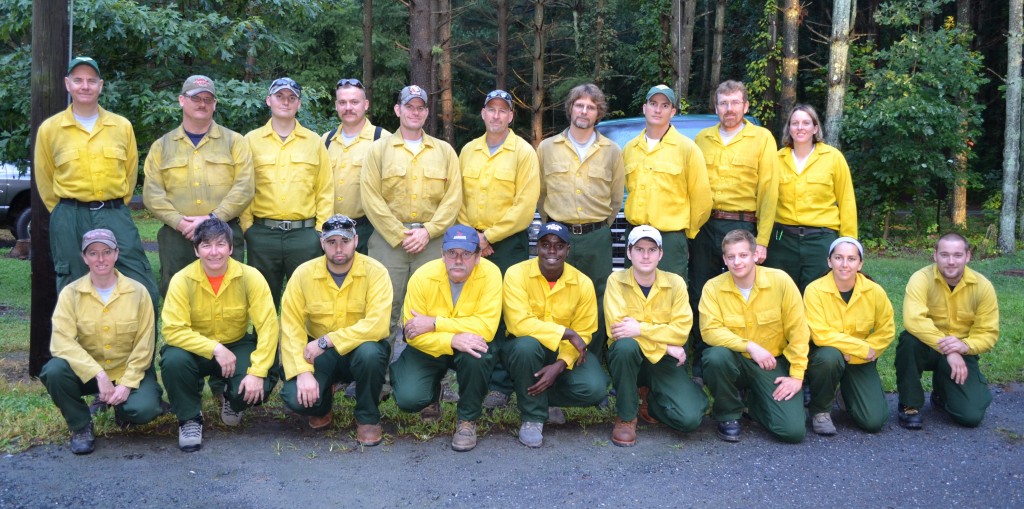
15 199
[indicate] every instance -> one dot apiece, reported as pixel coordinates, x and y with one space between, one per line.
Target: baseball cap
196 84
849 240
644 232
412 92
285 83
499 94
77 61
338 225
664 90
101 235
461 237
554 228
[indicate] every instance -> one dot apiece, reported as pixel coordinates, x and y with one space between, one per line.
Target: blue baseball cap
554 228
462 237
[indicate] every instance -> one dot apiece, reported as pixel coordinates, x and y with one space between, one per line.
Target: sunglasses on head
349 82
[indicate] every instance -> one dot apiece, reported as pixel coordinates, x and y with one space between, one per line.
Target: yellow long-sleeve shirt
533 308
499 191
347 162
401 187
969 312
293 177
313 306
866 322
820 196
117 337
195 319
742 174
579 192
668 185
773 317
478 310
183 179
664 314
71 162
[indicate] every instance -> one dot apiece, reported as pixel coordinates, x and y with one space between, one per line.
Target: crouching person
206 314
102 343
334 326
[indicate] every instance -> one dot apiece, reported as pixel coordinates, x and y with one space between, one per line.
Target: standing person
293 190
551 312
744 191
347 145
952 316
500 188
412 190
666 181
649 320
334 328
851 322
103 343
451 312
816 201
86 165
581 187
752 319
209 306
197 171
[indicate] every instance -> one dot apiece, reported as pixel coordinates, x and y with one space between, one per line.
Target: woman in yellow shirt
851 322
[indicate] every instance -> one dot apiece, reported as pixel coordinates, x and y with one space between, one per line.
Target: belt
802 231
93 205
580 229
361 221
743 215
286 225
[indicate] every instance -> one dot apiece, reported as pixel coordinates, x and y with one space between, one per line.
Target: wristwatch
322 342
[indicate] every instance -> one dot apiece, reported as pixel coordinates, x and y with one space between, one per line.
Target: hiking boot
190 434
909 417
97 407
431 413
322 421
556 415
464 438
228 416
369 435
643 413
822 424
448 395
531 434
729 430
624 433
495 399
83 441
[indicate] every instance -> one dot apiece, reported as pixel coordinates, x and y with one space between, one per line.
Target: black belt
285 225
580 229
361 221
802 231
749 217
93 205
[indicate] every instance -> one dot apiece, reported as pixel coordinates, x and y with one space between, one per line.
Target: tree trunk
368 49
843 13
420 44
444 81
790 58
716 57
684 53
49 63
1013 145
705 85
537 84
961 164
598 40
771 70
501 71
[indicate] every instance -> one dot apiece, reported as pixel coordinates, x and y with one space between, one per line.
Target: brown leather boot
369 435
322 421
624 433
643 414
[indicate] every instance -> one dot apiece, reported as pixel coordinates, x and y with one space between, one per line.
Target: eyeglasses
196 99
349 82
730 104
453 254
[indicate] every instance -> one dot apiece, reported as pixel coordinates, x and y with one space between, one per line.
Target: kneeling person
102 343
551 312
451 312
343 299
649 320
207 311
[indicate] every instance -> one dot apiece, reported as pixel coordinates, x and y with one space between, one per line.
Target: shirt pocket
126 330
769 323
303 171
264 167
744 172
113 161
736 323
321 315
863 328
174 173
435 181
220 170
393 183
67 160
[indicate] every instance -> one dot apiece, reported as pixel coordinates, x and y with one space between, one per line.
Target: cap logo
415 90
202 82
459 237
555 227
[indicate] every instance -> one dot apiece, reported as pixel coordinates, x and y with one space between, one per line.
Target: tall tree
421 44
683 21
791 18
598 40
501 67
843 12
368 49
961 165
716 57
444 82
1013 142
540 32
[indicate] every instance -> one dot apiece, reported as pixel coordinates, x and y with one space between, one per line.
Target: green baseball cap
77 61
664 90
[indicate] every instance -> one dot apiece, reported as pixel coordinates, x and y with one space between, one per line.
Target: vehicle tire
23 224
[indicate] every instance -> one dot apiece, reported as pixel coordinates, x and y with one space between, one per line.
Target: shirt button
578 191
579 209
339 199
196 184
105 310
107 347
578 174
414 178
413 214
105 328
414 196
199 201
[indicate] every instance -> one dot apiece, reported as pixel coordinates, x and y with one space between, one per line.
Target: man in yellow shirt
740 159
197 171
294 193
581 187
343 300
752 319
103 343
412 190
952 316
207 312
451 312
500 188
347 145
649 319
551 312
86 167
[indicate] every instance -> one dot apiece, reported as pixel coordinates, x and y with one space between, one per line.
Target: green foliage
757 81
